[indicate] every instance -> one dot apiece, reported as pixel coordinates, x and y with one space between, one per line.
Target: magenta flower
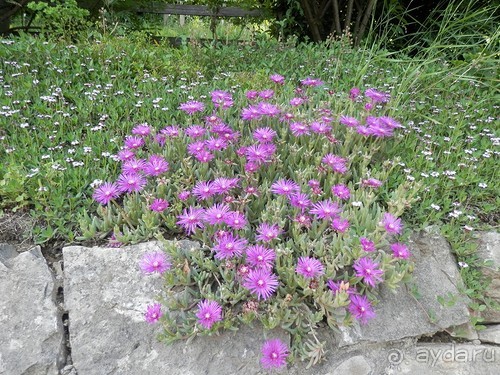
184 195
153 313
390 122
320 128
266 94
368 271
171 131
303 220
400 250
350 122
209 312
277 78
295 102
251 94
264 135
309 267
377 96
106 193
337 163
131 182
300 200
299 128
157 262
341 191
133 165
367 245
267 232
195 131
141 130
192 107
195 148
340 225
391 224
326 209
221 99
259 153
222 185
354 93
217 214
228 246
191 219
261 282
251 113
125 154
285 187
236 220
159 205
203 190
268 109
311 82
204 156
216 144
361 308
260 257
340 286
274 354
156 166
133 142
372 182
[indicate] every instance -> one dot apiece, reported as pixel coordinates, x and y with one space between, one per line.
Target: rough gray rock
31 339
489 250
356 365
400 314
490 334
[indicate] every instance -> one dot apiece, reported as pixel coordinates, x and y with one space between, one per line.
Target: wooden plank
200 10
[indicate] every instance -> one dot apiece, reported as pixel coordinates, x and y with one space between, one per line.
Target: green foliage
60 19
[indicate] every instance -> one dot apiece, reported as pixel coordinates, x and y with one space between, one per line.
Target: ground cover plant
70 112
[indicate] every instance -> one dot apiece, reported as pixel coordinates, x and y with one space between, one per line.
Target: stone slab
31 339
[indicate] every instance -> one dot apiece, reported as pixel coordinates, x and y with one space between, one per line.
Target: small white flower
357 204
435 207
463 264
482 185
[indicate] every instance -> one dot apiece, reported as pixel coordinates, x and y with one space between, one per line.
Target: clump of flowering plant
285 191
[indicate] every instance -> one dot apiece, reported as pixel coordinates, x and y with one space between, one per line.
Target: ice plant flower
264 135
191 219
267 232
337 163
400 250
204 190
131 182
153 313
133 165
228 246
376 96
159 205
277 78
132 142
300 200
341 191
311 82
195 131
391 224
266 94
209 312
372 182
236 220
217 214
349 122
309 267
192 107
274 354
141 130
106 193
340 225
157 262
261 282
367 245
326 209
222 185
156 166
361 308
368 271
258 256
285 187
340 286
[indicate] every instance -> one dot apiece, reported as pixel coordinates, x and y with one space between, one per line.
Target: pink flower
372 182
157 262
325 209
285 187
350 122
191 219
392 224
266 94
299 128
209 312
377 96
311 82
159 205
264 135
217 214
367 245
354 93
400 250
222 185
195 131
300 200
337 163
141 130
133 165
260 257
361 308
274 354
341 191
125 154
131 182
261 282
236 220
203 190
295 102
153 313
221 99
340 225
268 109
309 267
251 94
156 166
192 107
368 271
228 246
267 232
133 142
106 193
277 78
251 113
